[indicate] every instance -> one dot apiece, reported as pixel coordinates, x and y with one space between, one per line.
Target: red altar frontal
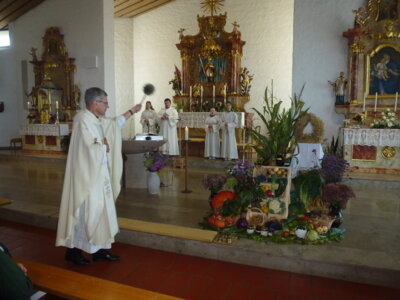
43 138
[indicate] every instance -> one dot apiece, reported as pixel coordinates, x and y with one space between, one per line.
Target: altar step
373 179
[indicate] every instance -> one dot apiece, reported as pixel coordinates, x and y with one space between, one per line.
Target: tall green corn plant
280 124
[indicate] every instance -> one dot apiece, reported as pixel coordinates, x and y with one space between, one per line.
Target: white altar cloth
371 137
309 157
44 129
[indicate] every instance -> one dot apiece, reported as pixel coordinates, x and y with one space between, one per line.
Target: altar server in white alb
212 149
88 219
168 119
148 119
229 121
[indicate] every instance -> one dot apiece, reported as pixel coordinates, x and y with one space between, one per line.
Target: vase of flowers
154 162
388 120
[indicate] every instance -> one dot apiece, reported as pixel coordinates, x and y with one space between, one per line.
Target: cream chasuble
212 148
229 146
168 131
87 218
151 116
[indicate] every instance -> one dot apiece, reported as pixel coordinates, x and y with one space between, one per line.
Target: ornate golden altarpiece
54 98
373 87
211 73
373 60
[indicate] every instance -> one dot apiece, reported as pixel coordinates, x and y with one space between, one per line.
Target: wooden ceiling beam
147 8
118 2
13 7
5 3
17 13
127 4
133 5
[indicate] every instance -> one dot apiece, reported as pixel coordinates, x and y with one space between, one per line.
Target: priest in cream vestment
229 121
87 219
211 145
168 119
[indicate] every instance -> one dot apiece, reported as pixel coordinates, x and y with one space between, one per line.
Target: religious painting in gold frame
383 71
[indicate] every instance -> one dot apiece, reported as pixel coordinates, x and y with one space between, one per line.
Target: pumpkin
219 223
221 197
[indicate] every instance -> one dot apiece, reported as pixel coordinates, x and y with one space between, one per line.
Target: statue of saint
245 79
339 87
210 70
176 82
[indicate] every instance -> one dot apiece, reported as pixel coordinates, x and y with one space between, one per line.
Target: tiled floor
186 276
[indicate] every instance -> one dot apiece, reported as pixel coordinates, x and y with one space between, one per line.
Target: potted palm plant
278 143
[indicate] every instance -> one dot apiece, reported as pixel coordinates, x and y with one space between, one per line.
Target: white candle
376 101
201 98
56 104
364 103
29 105
190 92
395 102
242 119
186 133
213 93
225 94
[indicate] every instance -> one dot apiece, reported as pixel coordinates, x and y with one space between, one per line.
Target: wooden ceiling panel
10 10
132 8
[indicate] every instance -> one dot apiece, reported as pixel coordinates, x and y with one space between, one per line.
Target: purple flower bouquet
155 161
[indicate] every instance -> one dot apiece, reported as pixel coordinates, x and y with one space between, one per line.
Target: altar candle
213 93
29 105
190 92
225 91
376 101
395 102
364 103
201 98
186 133
242 119
56 104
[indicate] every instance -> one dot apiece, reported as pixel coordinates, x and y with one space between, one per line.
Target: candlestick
364 103
244 141
376 101
395 102
186 133
242 119
190 99
56 104
201 98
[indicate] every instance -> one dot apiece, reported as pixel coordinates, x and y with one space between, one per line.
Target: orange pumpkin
219 223
221 197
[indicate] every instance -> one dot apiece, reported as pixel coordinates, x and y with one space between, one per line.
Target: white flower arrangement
388 120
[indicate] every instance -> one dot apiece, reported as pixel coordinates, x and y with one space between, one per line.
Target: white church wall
85 25
8 120
124 70
266 26
320 54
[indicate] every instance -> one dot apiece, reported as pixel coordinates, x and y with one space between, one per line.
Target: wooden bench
73 285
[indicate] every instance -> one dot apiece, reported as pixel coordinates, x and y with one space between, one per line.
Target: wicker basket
255 216
325 220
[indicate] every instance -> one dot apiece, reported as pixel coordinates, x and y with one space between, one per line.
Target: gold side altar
54 98
211 74
372 88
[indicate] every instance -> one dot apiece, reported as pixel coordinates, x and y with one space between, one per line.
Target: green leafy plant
333 147
280 124
309 185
